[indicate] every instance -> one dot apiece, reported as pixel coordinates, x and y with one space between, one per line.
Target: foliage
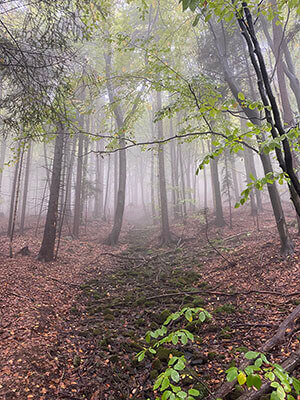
253 376
176 364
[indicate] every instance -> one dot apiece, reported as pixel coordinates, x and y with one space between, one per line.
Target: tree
46 252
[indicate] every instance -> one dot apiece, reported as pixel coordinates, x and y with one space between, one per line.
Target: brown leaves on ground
69 329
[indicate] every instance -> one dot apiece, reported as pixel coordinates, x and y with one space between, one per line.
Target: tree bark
46 252
219 221
165 228
25 189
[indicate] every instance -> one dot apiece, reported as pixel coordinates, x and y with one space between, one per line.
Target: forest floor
70 329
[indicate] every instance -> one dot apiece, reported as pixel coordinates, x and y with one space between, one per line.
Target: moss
225 333
131 346
149 303
140 301
157 364
103 344
160 318
198 301
153 325
226 308
188 298
140 322
241 349
163 353
108 317
83 333
76 361
96 331
212 355
153 374
114 358
193 326
74 311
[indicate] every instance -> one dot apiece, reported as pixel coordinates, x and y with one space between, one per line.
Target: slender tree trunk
13 198
98 206
165 228
2 159
228 188
16 203
78 188
105 216
174 175
25 189
217 192
183 192
116 172
234 178
46 252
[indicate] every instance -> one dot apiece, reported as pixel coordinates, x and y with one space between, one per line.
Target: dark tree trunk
46 252
286 242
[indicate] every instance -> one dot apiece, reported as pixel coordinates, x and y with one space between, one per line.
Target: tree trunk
25 189
286 242
174 175
2 159
165 228
78 187
217 192
46 252
13 198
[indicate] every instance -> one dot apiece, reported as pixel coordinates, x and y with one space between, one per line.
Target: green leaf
274 396
166 395
256 381
179 366
194 392
196 20
241 96
175 339
202 316
165 384
175 376
182 395
185 4
141 356
152 351
232 374
296 384
250 355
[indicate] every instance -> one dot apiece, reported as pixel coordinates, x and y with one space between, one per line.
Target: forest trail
70 329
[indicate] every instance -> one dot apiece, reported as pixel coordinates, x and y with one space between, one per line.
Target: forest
149 200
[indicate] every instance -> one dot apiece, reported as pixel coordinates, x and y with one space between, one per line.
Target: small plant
252 376
167 381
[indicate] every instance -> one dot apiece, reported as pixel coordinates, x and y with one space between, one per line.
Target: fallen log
275 340
290 364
